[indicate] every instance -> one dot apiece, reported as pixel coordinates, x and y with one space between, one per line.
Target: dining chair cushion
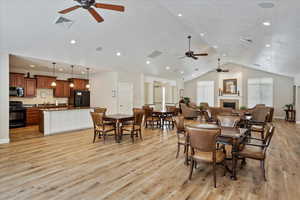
154 118
105 127
257 128
252 152
131 127
208 156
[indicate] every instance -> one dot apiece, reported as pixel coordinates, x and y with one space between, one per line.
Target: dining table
118 119
228 136
162 114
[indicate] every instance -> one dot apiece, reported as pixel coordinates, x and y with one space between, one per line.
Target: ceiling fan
190 53
219 68
89 4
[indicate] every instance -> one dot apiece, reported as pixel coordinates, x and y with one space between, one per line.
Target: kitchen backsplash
42 96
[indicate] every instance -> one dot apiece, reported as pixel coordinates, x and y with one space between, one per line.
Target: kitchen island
58 120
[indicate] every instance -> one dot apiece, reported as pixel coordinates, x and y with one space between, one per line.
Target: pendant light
88 78
72 84
53 84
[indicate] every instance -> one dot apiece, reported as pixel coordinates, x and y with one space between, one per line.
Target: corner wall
4 98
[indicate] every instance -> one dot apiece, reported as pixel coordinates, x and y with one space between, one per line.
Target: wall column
4 98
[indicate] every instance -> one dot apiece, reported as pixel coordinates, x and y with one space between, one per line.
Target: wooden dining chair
151 119
101 127
228 121
170 118
181 135
135 126
257 150
204 149
259 120
100 110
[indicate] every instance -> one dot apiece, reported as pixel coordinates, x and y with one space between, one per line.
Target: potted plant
243 108
288 107
186 100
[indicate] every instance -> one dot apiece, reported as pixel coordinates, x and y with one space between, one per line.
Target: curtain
205 92
260 91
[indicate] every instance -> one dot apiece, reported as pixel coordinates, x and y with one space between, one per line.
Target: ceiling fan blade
97 17
194 57
225 70
110 7
69 10
201 54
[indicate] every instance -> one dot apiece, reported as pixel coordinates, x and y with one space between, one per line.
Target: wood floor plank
70 166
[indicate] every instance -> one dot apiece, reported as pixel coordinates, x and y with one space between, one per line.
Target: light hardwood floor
69 166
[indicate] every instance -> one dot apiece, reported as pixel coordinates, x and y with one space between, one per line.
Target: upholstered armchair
188 112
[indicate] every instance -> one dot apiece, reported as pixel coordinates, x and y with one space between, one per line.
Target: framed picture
230 86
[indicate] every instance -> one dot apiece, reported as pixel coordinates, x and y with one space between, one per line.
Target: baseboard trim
4 141
279 117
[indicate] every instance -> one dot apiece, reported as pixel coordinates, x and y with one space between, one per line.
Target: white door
125 91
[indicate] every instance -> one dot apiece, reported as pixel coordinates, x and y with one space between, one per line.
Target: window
260 91
205 92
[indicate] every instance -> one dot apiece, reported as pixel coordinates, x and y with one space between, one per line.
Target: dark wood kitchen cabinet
62 89
30 87
44 82
16 80
79 84
32 116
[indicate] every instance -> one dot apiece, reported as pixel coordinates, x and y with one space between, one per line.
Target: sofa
189 112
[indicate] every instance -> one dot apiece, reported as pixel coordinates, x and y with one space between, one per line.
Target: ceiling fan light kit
89 4
191 54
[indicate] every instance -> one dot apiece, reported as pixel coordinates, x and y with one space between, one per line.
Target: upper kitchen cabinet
44 82
79 84
30 87
62 89
16 80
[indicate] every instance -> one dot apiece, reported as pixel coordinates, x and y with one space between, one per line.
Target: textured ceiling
27 29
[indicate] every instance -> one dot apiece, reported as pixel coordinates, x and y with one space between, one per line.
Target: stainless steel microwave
16 91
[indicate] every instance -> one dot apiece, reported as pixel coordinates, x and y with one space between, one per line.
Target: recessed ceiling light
202 34
181 72
83 72
193 75
268 45
168 68
179 15
73 41
60 69
224 54
118 53
269 58
266 5
32 66
148 62
266 23
215 46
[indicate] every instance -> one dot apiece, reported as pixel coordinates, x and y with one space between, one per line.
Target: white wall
283 86
4 98
137 79
102 86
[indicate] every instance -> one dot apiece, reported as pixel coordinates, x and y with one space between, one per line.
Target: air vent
64 22
246 40
257 65
99 49
154 54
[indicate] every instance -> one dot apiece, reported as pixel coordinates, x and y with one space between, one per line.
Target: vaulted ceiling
220 28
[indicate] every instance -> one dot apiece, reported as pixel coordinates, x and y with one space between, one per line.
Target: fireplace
229 103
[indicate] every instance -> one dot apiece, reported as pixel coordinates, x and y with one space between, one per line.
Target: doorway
125 101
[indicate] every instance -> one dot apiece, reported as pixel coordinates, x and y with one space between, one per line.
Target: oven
17 114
